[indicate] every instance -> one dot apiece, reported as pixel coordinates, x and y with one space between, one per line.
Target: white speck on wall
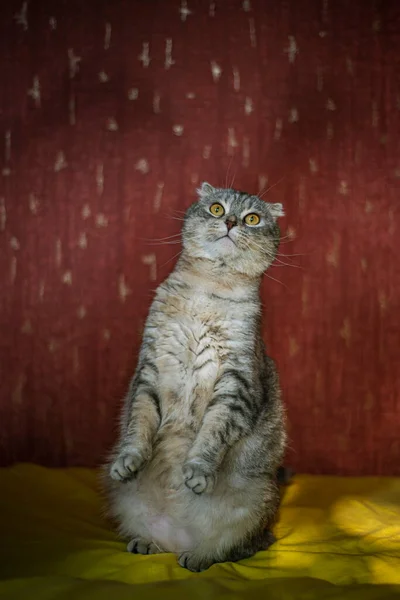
60 162
21 16
81 312
58 255
100 179
73 61
34 92
168 62
151 261
190 95
13 269
107 36
103 77
246 5
375 115
14 243
27 327
53 23
246 152
101 220
325 10
236 79
330 105
67 278
75 359
156 103
7 145
293 115
397 173
232 141
322 34
292 49
142 166
376 25
184 10
133 94
329 131
86 212
252 32
6 172
278 129
206 152
349 66
248 106
112 124
106 334
291 232
368 207
144 56
178 130
3 214
71 109
320 79
158 196
123 289
82 241
194 178
211 9
343 188
216 71
313 165
41 290
52 346
262 183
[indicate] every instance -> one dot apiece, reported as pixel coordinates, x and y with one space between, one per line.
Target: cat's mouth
226 237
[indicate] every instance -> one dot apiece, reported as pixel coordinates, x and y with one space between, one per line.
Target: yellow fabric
338 538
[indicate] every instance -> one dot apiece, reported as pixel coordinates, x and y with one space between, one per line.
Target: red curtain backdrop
111 113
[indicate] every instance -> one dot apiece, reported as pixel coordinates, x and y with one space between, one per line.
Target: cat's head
233 228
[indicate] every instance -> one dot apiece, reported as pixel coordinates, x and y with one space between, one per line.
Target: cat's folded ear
276 210
205 190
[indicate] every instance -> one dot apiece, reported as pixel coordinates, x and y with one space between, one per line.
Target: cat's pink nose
230 222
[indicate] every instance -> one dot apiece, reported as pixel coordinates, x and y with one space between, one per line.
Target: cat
203 427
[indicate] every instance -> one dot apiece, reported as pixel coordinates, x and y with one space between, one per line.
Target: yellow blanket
338 539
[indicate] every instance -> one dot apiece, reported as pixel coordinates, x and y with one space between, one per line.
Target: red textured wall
110 114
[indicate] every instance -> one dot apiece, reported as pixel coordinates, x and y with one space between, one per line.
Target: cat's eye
217 210
252 219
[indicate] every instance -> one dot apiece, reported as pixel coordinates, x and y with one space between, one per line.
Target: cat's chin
227 243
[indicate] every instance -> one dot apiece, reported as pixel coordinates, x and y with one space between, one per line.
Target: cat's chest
195 336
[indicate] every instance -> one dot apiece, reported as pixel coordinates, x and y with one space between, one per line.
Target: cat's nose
231 222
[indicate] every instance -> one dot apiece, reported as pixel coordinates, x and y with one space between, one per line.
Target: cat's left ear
205 190
276 210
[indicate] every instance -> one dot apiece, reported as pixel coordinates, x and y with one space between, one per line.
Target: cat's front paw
197 477
127 464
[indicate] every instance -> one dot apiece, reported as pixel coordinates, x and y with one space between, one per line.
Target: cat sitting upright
203 428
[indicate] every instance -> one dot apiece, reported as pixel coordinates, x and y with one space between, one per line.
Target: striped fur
202 429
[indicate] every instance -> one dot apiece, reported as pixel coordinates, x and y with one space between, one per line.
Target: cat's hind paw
193 562
126 464
140 546
197 478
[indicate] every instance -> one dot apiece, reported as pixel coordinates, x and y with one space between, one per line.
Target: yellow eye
217 210
252 219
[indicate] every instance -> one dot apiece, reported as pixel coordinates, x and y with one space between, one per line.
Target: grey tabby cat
203 428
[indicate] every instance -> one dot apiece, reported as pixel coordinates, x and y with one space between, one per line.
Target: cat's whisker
272 186
277 280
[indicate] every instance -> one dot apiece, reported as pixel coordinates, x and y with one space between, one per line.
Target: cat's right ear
205 190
